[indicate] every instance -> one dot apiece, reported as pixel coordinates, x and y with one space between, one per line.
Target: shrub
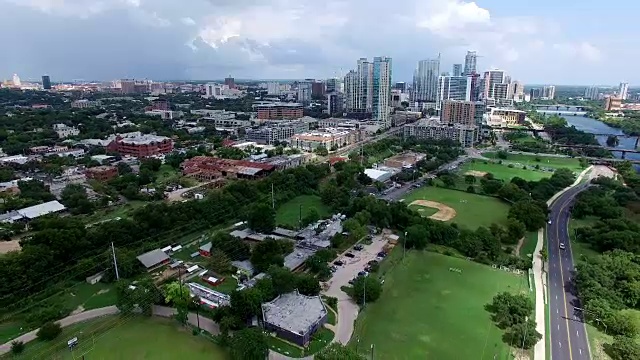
332 302
49 331
17 347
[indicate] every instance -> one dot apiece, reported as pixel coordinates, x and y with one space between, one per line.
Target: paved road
567 331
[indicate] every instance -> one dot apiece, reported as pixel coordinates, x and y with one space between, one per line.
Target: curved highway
568 335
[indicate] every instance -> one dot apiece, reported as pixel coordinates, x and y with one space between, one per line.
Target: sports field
503 171
289 212
130 338
472 210
544 161
427 311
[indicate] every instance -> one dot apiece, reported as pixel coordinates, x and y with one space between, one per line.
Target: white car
562 246
549 222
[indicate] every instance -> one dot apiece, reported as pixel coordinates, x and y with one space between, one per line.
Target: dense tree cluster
514 314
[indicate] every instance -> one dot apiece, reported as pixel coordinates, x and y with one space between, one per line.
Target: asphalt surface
568 334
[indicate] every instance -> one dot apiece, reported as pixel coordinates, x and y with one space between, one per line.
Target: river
592 126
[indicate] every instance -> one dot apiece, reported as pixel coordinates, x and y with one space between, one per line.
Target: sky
562 42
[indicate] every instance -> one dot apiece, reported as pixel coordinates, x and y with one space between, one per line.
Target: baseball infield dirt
476 173
445 213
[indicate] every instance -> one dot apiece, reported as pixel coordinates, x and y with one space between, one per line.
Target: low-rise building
432 128
279 111
65 131
207 168
400 118
33 212
102 173
507 117
165 114
330 138
273 131
295 317
154 259
141 146
85 104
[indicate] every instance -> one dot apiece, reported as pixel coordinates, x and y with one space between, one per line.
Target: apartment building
432 128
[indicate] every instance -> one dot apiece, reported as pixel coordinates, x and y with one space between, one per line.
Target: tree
522 335
308 285
509 309
529 213
623 348
261 218
249 344
417 237
337 351
283 280
502 154
270 252
623 324
245 304
180 297
612 141
491 186
17 347
74 196
470 179
49 331
311 217
471 189
321 150
366 289
219 262
515 231
449 180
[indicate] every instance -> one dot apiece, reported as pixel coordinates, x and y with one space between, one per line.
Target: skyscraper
332 85
46 82
381 90
457 69
230 82
425 80
16 80
401 86
623 93
453 88
592 93
470 62
351 91
365 85
549 92
304 91
491 78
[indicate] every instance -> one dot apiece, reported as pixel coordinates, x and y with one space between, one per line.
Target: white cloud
582 50
446 17
188 21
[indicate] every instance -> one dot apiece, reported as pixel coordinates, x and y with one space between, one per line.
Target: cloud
582 50
188 21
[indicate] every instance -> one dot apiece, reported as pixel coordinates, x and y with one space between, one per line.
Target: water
592 126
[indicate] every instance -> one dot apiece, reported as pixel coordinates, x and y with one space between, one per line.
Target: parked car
372 262
358 247
333 268
382 254
338 263
352 281
363 273
349 255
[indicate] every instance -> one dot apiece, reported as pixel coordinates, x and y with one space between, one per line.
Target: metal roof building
153 258
295 317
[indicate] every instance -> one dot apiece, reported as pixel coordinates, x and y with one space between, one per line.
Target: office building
457 70
425 80
470 63
329 138
141 146
335 102
465 135
230 82
46 82
591 93
16 80
401 86
453 88
317 89
358 88
273 88
623 92
462 112
549 92
500 92
305 89
381 90
491 78
332 85
278 131
279 111
612 103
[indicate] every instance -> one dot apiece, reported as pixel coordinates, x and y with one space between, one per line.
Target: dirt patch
11 245
78 310
103 291
445 213
476 173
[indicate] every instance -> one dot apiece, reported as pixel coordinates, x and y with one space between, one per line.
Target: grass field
545 161
126 338
529 245
428 312
121 211
476 211
504 172
318 341
289 212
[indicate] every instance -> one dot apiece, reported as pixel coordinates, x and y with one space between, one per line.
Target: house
294 317
154 259
102 173
205 250
244 267
94 279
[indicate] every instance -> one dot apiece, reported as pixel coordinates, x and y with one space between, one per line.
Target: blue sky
537 42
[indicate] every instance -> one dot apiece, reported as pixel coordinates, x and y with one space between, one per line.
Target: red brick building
101 173
207 168
279 111
141 146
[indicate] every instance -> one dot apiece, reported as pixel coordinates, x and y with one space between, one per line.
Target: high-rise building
46 82
470 62
358 88
453 88
623 93
425 80
592 93
317 89
304 91
457 69
332 85
516 91
535 93
491 78
351 91
401 85
612 103
381 90
273 88
500 92
335 101
462 112
549 92
16 80
230 82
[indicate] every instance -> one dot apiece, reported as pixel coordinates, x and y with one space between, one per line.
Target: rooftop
35 211
294 312
152 258
144 139
280 104
297 257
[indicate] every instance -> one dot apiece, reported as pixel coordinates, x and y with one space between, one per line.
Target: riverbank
629 125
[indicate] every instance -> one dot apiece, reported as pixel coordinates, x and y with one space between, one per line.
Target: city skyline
209 40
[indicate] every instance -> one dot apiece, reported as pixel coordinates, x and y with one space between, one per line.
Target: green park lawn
130 337
118 211
504 172
289 213
472 210
427 311
529 245
545 161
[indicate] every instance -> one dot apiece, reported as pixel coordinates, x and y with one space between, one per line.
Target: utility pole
404 245
115 262
372 357
300 217
273 198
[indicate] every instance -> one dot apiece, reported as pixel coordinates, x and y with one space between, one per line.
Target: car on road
338 263
549 222
562 247
349 255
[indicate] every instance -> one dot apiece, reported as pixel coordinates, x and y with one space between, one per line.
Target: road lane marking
558 326
560 343
580 351
564 294
557 311
556 296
